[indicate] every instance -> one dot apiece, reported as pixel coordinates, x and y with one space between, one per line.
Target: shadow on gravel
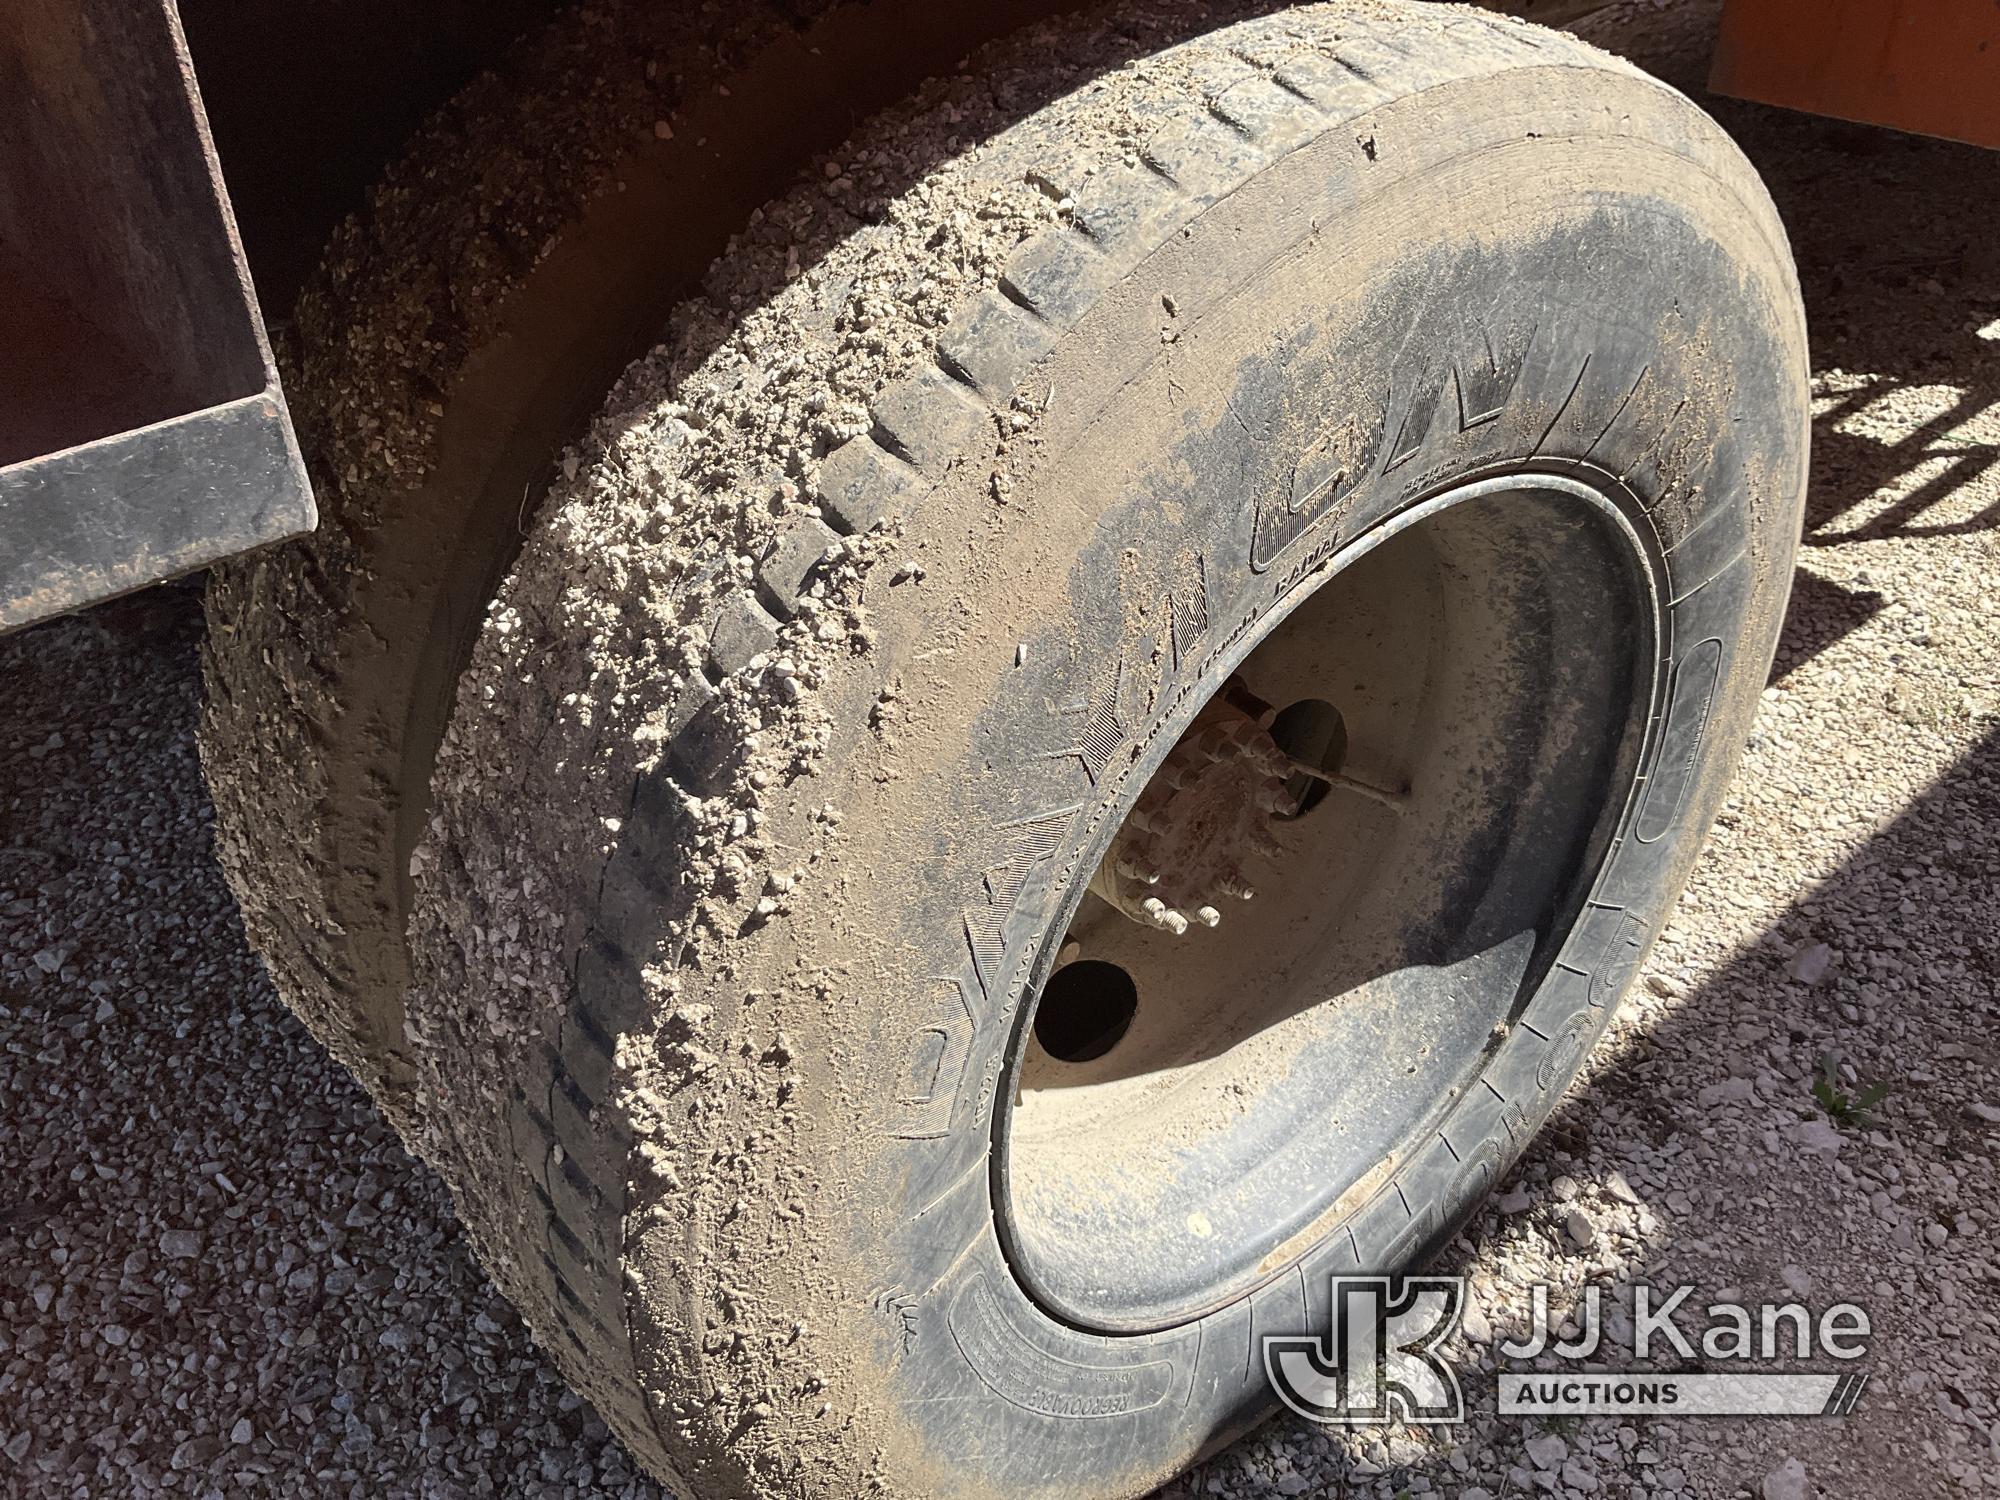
1894 240
1908 427
1920 469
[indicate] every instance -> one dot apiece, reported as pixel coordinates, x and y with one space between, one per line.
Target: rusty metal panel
142 430
1928 66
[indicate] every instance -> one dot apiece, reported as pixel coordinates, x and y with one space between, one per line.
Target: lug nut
1132 869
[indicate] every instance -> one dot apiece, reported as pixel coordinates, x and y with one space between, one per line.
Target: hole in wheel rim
1470 696
1085 1008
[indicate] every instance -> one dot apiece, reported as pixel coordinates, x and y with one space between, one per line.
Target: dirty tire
463 327
875 595
468 323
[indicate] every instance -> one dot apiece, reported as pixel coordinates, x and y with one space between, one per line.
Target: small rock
1729 1091
1787 1482
1578 1480
1477 1327
1515 1201
1818 1135
1580 1229
195 1452
1810 963
180 1244
1547 1451
242 1432
1563 1189
1985 1113
1616 1185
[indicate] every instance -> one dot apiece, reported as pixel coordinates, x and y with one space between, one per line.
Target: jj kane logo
1383 1358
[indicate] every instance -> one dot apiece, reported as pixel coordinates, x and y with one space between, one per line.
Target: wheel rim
1250 1017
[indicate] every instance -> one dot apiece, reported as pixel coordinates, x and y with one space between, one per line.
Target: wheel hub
1180 854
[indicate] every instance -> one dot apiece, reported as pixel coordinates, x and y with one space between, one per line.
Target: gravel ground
220 1274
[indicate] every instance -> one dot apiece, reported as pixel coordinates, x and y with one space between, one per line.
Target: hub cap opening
1085 1010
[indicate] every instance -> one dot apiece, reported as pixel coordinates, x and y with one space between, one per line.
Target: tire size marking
1007 1360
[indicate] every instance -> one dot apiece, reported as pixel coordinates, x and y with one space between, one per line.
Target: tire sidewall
1481 327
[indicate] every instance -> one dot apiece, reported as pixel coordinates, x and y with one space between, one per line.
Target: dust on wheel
1094 740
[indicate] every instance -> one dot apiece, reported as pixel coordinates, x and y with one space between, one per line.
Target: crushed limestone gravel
220 1274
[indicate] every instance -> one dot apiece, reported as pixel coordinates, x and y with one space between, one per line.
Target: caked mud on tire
878 594
532 244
